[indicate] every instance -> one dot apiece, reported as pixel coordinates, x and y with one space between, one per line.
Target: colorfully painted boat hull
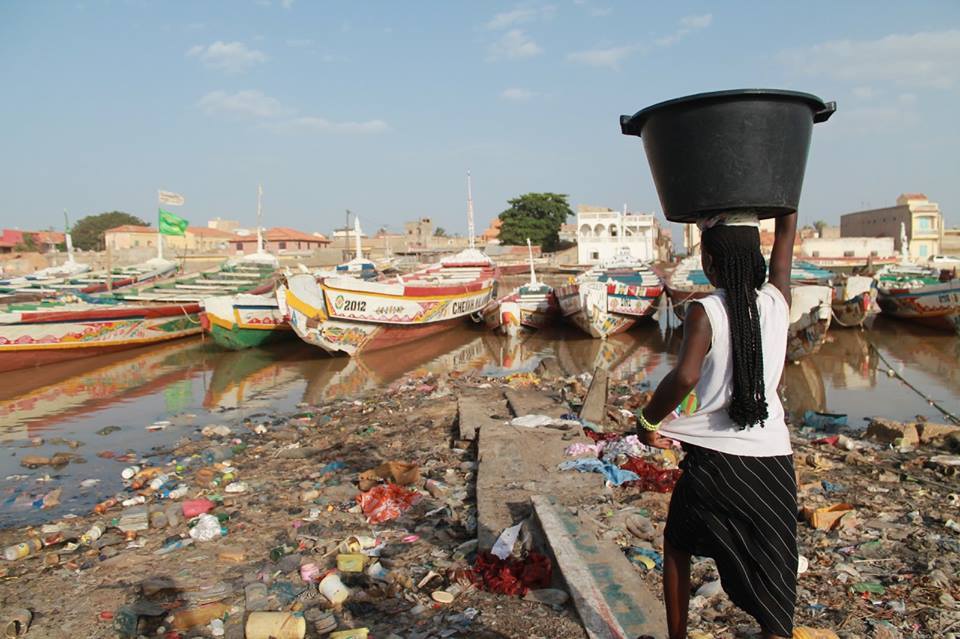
810 315
243 321
345 315
934 305
602 309
521 309
45 335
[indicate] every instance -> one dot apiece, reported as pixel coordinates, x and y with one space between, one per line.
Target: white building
601 232
848 247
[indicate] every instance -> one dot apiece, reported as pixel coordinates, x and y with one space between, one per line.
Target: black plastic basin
729 150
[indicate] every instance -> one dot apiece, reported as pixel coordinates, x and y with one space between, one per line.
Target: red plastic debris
652 477
511 576
600 437
832 440
386 501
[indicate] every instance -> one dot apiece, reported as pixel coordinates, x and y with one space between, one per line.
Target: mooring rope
929 400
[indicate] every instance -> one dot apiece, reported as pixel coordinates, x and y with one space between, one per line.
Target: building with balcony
921 220
601 232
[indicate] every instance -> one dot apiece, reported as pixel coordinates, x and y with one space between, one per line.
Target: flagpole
470 229
159 234
259 216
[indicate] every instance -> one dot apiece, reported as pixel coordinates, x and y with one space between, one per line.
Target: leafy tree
820 225
440 232
537 216
28 244
88 232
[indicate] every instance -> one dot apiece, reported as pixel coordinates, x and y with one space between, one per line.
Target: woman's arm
781 258
678 383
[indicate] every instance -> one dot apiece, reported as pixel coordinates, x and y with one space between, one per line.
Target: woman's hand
654 438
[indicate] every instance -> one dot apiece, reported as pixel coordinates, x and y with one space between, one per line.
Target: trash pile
358 518
348 520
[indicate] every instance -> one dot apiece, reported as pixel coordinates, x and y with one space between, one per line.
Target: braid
741 271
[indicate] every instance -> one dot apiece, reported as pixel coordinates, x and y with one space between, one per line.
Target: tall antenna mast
356 227
470 229
259 219
533 276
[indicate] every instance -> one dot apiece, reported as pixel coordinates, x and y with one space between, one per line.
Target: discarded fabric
614 475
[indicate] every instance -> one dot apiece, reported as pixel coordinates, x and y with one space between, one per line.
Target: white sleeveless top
708 425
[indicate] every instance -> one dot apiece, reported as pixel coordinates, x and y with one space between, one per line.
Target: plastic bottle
176 493
177 545
158 519
23 549
217 454
173 513
104 506
93 534
129 472
134 501
157 482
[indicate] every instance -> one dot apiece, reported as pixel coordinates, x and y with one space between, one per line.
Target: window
925 223
594 255
923 250
848 253
136 242
874 253
816 254
282 246
239 246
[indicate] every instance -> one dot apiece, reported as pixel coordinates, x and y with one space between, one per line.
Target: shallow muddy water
104 405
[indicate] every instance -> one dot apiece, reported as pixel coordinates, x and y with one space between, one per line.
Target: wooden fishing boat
48 332
348 315
240 321
920 294
242 275
532 305
95 281
611 297
685 284
853 299
811 310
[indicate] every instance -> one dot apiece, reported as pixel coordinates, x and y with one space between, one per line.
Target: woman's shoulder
773 293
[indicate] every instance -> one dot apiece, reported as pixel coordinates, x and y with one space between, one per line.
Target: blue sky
382 107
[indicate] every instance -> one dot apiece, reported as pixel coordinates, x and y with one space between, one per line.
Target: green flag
171 224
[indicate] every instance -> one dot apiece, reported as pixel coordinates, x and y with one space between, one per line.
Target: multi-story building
920 219
601 232
420 232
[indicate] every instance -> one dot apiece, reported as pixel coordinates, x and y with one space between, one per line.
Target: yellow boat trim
295 302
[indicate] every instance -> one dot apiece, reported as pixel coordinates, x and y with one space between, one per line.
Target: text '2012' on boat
348 315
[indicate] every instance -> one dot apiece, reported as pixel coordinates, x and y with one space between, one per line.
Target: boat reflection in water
32 403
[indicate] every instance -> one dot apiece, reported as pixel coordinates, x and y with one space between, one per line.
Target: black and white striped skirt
741 512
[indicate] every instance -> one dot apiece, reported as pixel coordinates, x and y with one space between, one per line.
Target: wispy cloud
688 25
231 57
609 57
518 94
513 44
286 4
322 125
924 59
593 9
272 114
242 103
300 43
520 15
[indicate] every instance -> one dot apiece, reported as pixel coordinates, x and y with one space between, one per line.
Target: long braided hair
739 268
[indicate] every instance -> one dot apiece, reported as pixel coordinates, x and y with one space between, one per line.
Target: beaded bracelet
645 424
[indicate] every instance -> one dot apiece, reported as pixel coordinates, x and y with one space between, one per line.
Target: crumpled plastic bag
629 446
578 449
614 475
384 502
206 529
511 576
